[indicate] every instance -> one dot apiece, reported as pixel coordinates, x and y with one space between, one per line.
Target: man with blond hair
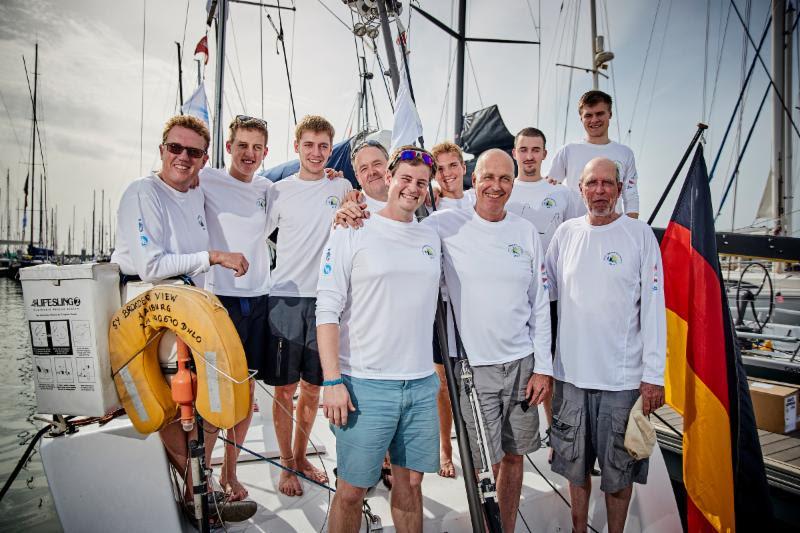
162 233
301 207
236 211
606 274
450 177
450 170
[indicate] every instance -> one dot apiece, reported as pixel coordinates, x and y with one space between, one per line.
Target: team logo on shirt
428 251
545 280
631 182
515 250
332 202
613 258
141 225
201 221
654 288
548 203
143 240
327 268
262 203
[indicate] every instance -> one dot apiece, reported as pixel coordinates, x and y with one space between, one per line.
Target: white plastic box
68 309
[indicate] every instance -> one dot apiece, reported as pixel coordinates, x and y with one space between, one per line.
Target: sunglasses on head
244 119
412 155
177 149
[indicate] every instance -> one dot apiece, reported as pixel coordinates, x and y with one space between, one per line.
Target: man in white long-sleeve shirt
302 208
236 212
605 271
370 160
376 300
594 108
162 233
497 286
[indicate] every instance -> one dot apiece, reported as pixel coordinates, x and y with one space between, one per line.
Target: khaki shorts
590 424
512 427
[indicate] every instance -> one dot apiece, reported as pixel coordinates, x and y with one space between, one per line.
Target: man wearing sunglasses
497 283
376 299
302 208
236 211
162 233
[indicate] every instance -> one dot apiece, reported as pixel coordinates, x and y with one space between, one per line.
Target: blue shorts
394 415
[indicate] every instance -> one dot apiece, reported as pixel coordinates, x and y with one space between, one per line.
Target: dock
781 462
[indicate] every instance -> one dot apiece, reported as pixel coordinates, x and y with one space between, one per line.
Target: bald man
497 284
605 272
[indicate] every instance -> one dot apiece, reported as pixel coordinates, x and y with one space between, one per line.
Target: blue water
28 505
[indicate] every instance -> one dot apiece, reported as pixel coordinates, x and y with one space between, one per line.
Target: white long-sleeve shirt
379 283
570 160
612 321
303 211
161 232
542 204
497 284
237 222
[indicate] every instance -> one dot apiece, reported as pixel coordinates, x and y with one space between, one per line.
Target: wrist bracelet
332 382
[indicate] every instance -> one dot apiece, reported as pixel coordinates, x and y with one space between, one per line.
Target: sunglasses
412 155
244 119
177 149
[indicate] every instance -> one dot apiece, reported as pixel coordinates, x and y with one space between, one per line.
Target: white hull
112 479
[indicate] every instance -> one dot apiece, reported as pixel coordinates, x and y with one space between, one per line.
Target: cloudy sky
108 80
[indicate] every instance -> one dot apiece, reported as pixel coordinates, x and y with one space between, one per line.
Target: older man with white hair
605 271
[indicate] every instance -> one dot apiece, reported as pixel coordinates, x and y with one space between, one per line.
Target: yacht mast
786 223
217 141
33 136
778 117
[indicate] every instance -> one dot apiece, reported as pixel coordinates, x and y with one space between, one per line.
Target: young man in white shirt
534 198
375 309
450 170
594 108
236 212
497 286
450 177
538 201
162 233
605 271
302 208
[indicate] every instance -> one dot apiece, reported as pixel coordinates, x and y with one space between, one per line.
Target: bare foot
288 483
235 490
447 469
311 472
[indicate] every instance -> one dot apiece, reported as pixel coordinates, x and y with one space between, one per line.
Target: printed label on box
790 413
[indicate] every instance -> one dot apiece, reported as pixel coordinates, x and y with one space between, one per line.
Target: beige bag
640 435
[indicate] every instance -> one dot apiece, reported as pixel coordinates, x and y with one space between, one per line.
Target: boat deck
105 455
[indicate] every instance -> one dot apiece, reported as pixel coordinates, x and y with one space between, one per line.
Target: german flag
723 469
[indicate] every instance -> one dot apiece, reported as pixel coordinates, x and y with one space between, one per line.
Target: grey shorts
590 424
512 427
292 353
